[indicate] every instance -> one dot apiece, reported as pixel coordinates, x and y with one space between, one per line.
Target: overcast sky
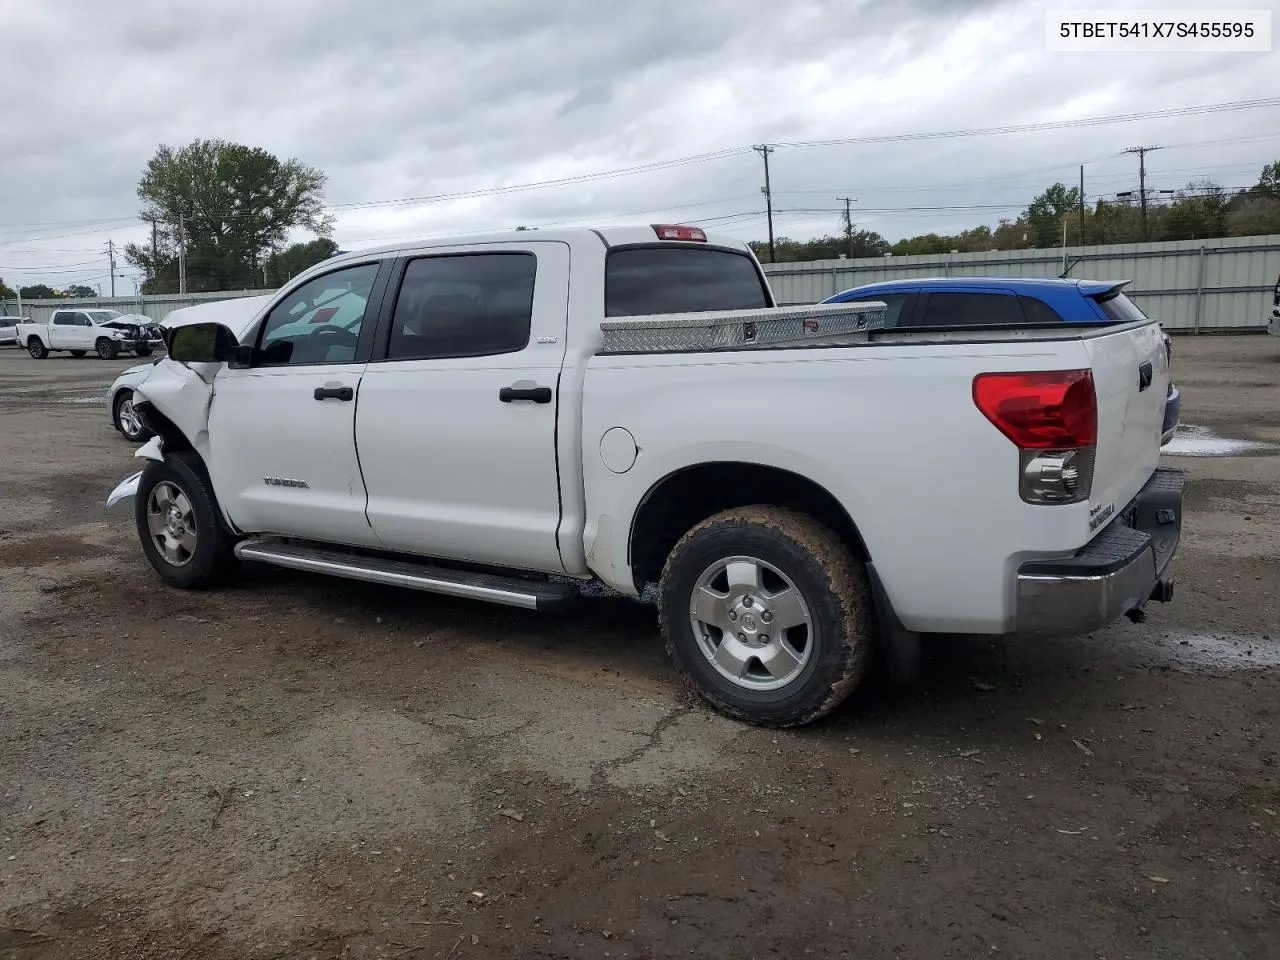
420 98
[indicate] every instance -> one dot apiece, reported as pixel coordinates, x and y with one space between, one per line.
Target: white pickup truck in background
507 416
81 331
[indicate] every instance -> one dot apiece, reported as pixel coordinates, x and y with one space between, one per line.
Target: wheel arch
690 494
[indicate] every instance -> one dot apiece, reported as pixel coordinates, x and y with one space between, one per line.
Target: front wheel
128 421
107 348
179 526
767 614
37 349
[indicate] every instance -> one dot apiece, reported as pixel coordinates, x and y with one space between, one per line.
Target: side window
61 319
1037 311
82 320
895 302
320 321
971 310
470 305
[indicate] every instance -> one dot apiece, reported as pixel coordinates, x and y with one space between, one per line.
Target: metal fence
157 307
1189 285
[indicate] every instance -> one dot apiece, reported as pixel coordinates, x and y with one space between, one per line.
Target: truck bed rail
832 325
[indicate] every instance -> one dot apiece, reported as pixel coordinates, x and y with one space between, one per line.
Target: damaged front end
173 403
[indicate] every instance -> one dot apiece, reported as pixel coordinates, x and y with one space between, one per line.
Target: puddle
1190 441
1219 651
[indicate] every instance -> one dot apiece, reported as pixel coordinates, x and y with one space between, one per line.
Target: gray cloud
403 98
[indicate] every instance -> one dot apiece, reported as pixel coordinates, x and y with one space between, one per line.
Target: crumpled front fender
153 449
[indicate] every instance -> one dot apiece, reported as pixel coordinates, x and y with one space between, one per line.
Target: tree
39 291
1199 210
1046 213
7 292
233 204
79 290
288 263
1269 180
1254 216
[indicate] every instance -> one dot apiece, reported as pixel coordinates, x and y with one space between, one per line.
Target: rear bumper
1122 568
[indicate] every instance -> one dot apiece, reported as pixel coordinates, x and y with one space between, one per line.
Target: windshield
103 316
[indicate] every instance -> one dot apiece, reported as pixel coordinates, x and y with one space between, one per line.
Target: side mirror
203 343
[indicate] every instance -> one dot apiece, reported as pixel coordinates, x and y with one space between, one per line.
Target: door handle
334 393
1144 376
536 394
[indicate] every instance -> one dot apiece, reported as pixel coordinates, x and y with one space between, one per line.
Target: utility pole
764 150
1082 204
111 262
182 254
1142 182
848 226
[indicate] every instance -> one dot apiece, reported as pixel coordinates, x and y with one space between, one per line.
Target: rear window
647 280
1121 309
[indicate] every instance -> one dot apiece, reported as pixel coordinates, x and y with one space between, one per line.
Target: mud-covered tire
78 353
210 561
839 631
106 348
36 348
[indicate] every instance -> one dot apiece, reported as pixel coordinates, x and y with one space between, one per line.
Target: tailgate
1131 379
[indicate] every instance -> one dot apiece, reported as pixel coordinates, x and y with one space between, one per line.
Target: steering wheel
333 330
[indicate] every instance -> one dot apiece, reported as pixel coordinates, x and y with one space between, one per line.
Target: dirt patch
41 551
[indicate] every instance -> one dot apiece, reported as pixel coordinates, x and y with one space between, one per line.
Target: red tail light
1055 409
672 231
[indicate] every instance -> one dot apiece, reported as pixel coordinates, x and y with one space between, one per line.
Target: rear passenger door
65 332
456 419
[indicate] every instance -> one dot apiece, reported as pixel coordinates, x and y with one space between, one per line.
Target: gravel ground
298 767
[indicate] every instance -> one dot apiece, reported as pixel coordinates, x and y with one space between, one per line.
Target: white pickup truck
507 416
80 330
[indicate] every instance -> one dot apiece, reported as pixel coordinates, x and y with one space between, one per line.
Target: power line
1229 106
1042 126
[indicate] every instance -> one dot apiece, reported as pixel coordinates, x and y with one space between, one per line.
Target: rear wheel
78 353
767 614
107 348
36 348
179 525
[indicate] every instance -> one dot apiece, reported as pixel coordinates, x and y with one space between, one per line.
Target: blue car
943 302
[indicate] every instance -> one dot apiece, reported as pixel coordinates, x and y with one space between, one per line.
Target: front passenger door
282 430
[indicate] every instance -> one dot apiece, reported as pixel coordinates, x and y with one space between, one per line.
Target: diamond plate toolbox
827 325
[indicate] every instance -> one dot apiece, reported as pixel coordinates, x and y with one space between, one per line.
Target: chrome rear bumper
1122 568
